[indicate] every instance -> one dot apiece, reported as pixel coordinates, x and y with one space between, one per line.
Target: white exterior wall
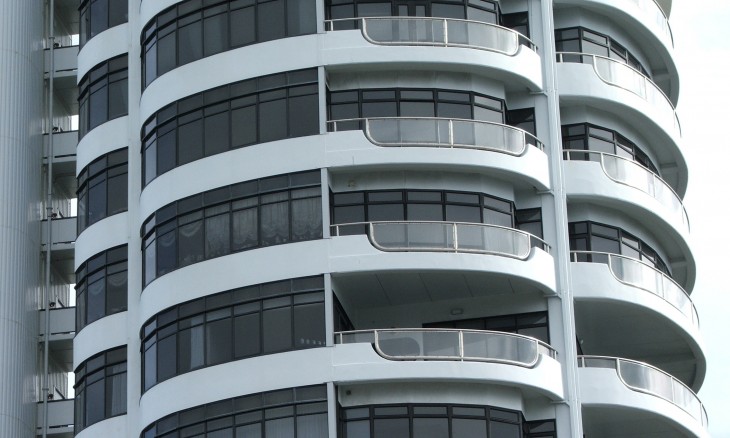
561 93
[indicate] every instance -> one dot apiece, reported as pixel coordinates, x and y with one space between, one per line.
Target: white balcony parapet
60 416
445 237
619 74
440 133
642 377
639 274
64 144
63 231
62 321
451 345
64 59
626 171
438 32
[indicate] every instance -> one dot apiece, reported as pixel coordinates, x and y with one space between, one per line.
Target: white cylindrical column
21 106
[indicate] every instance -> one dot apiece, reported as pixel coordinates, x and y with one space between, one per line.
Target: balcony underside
623 321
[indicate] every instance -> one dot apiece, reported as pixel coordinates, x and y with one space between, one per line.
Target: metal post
45 392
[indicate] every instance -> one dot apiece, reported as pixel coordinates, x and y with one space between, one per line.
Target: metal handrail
661 289
451 138
584 362
561 57
462 351
451 242
685 217
363 24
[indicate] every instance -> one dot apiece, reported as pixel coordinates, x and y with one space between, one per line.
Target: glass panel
271 24
274 223
431 428
309 326
218 341
277 326
243 26
216 134
217 236
247 335
468 428
215 31
391 428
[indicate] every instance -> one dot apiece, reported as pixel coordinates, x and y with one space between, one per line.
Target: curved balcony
628 172
458 237
440 133
644 379
641 275
659 17
618 74
438 32
451 345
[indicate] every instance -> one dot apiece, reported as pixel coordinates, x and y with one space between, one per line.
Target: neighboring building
347 218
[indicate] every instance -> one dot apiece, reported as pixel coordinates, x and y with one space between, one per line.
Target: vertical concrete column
21 113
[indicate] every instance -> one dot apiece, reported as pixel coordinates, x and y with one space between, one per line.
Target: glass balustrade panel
629 173
636 274
495 346
413 235
357 338
621 75
490 239
648 379
409 132
684 398
414 31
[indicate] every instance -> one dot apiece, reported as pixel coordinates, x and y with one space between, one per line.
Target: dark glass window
582 40
592 236
102 189
533 324
486 11
101 286
292 413
97 16
250 321
403 102
264 212
101 388
192 30
103 94
589 137
437 421
424 205
258 110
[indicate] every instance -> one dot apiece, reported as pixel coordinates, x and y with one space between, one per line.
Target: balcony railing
645 378
628 172
440 133
618 74
639 274
445 237
437 32
451 345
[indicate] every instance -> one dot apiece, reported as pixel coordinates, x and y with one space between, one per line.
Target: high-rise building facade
346 218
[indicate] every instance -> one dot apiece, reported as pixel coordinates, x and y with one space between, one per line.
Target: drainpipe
45 392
